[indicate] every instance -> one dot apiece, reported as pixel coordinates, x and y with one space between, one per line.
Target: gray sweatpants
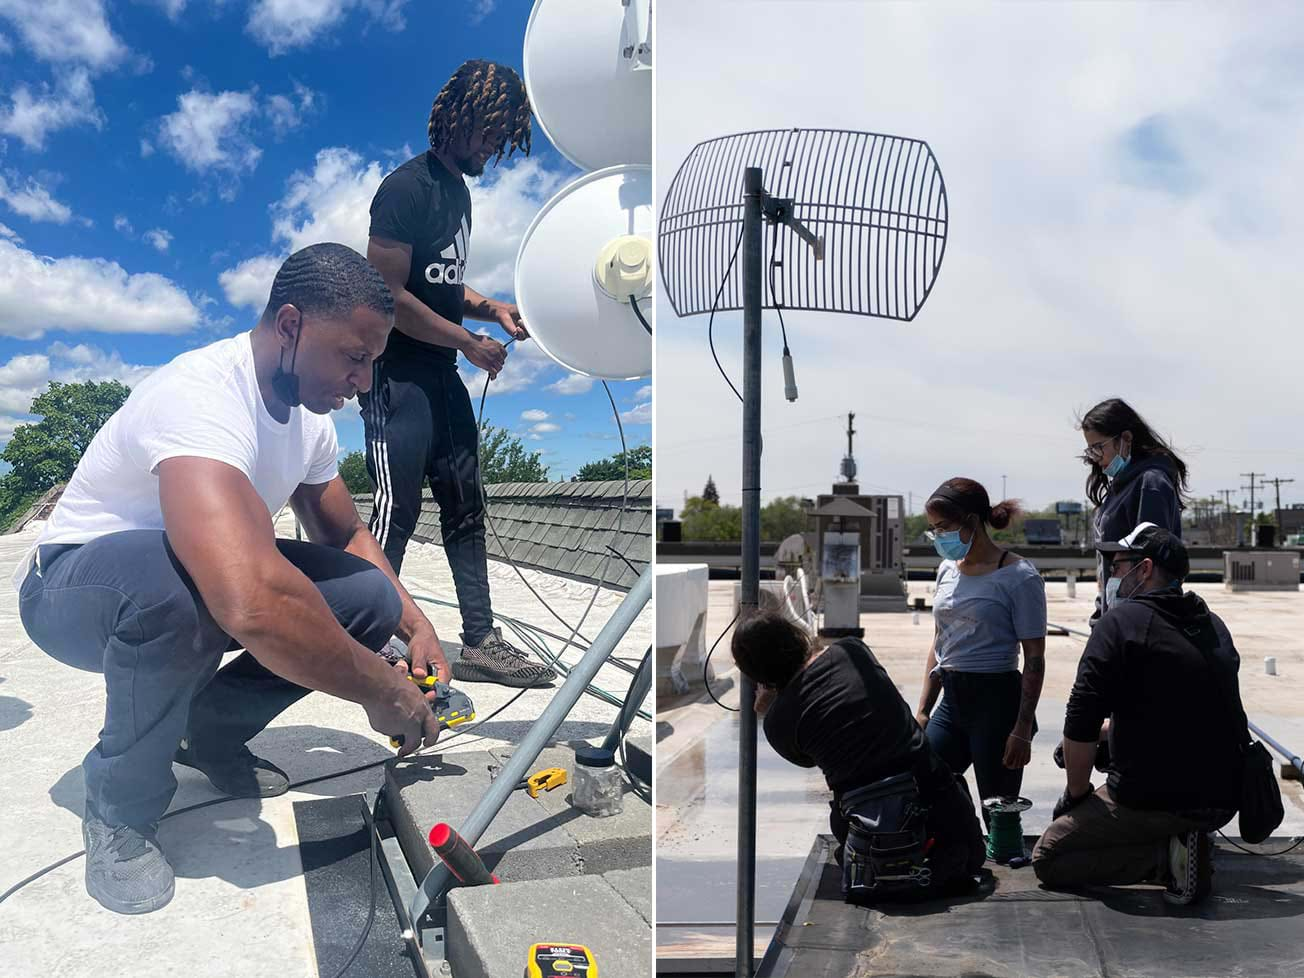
124 606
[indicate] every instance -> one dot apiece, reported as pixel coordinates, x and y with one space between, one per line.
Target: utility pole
1252 476
1002 488
1227 509
1277 484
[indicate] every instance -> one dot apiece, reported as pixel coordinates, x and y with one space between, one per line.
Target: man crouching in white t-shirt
161 557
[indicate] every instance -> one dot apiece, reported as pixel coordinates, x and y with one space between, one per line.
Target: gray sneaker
126 871
495 660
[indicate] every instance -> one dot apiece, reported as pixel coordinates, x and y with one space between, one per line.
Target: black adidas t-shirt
426 206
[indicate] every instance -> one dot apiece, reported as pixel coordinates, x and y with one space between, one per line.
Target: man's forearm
363 544
1079 757
288 627
416 319
476 306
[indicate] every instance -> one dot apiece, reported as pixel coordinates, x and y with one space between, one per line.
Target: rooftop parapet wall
560 527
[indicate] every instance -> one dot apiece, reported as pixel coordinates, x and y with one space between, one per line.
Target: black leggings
972 724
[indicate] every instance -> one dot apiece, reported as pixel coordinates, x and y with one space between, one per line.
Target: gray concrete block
522 843
491 928
621 841
530 839
635 885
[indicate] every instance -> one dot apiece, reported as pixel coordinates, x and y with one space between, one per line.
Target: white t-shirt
205 403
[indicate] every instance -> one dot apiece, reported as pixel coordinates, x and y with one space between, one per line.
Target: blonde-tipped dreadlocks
487 96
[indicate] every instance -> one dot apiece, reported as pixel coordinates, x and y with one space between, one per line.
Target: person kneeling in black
905 824
1162 669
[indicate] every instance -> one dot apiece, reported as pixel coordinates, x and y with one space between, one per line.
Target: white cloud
31 115
25 376
122 225
1118 200
66 31
503 203
173 8
146 149
249 284
39 294
34 202
642 414
572 384
644 393
480 9
289 111
544 428
159 238
211 132
10 233
282 25
534 414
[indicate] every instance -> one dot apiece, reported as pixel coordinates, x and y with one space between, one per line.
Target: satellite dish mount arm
778 210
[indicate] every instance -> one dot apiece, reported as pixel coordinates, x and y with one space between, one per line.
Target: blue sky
159 157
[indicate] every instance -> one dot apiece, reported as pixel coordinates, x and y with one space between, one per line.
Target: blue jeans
973 722
123 605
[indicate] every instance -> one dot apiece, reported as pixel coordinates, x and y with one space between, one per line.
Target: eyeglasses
933 532
1096 450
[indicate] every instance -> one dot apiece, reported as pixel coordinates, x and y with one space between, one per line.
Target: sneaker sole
465 672
142 906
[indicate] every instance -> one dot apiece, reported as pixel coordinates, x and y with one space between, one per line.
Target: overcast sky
1126 220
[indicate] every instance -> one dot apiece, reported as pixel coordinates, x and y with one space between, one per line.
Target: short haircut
329 281
486 96
770 648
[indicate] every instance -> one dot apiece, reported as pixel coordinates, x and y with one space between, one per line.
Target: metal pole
538 736
751 570
638 690
1283 751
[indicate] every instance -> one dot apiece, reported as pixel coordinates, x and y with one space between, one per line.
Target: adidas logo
438 273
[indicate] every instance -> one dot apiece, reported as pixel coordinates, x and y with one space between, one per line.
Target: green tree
503 458
710 494
782 517
613 467
705 520
353 470
47 452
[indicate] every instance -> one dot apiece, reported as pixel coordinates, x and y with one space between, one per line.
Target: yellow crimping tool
545 780
450 706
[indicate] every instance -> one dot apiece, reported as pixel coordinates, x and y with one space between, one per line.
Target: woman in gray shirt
988 603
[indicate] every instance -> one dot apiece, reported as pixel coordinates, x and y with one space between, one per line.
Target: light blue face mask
1112 597
1114 468
949 546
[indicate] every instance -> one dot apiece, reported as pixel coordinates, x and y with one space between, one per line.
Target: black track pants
420 425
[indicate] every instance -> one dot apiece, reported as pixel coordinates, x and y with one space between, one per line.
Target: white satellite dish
588 72
584 255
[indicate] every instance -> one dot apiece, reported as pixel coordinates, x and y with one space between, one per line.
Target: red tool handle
462 861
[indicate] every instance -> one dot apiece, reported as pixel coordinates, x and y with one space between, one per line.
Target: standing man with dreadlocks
419 420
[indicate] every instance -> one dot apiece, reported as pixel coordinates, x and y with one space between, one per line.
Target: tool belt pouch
884 855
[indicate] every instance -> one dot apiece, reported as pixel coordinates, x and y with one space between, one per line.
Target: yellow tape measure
561 961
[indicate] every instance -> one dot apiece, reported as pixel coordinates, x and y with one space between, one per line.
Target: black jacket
1177 726
1145 492
844 715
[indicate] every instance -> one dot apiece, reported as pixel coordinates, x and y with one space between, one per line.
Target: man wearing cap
1161 668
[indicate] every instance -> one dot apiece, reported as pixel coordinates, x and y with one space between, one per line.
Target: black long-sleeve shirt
1177 725
844 715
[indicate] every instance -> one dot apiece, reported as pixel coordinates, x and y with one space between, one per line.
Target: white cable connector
789 378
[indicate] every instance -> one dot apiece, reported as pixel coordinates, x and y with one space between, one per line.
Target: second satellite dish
589 77
582 258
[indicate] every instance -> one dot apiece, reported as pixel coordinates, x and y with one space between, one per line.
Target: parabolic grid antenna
588 72
584 257
877 202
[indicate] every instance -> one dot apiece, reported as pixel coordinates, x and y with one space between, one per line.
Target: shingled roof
560 527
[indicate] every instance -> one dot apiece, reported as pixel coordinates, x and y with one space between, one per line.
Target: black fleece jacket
1177 726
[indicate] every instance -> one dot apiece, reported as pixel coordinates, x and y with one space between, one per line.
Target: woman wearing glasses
989 603
1134 477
